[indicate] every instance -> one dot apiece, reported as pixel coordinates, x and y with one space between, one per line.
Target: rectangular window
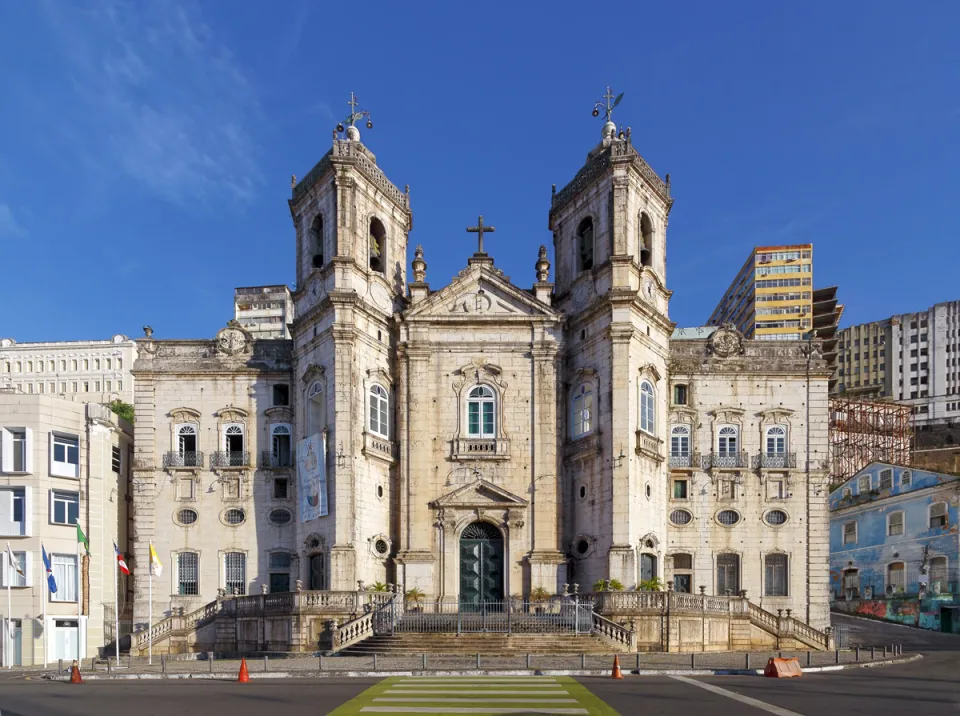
64 507
96 364
185 487
65 456
850 533
65 573
863 484
775 575
895 524
727 490
895 578
235 572
281 394
776 490
679 395
188 573
679 489
109 363
14 450
280 486
886 479
115 459
13 511
108 385
119 363
938 515
119 382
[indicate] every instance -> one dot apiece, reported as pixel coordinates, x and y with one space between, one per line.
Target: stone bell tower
609 226
351 226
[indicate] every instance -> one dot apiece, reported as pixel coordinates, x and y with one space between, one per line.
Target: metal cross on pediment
605 106
479 229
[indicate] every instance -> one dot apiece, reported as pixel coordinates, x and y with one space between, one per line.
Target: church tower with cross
609 229
351 226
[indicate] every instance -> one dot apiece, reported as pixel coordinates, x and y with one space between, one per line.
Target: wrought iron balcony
729 460
230 459
690 460
175 458
269 460
775 461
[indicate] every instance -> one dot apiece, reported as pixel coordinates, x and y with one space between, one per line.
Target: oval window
280 517
728 517
583 546
680 517
234 516
583 492
187 517
776 517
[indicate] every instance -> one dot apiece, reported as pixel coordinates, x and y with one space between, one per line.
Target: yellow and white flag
155 567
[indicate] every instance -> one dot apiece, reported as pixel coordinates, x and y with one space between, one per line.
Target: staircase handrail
614 632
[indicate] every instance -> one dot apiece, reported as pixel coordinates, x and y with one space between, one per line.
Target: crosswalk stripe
478 699
458 710
557 692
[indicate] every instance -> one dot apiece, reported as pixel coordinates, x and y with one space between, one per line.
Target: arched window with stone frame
234 445
481 412
379 410
680 454
728 440
581 411
281 445
316 408
187 441
377 247
646 239
316 242
648 410
585 244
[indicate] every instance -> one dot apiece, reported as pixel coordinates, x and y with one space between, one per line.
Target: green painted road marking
477 695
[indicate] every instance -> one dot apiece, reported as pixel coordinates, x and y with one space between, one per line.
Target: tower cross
353 108
479 229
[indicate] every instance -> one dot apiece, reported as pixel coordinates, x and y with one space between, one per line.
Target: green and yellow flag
82 539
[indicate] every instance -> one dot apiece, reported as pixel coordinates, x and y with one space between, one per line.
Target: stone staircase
489 644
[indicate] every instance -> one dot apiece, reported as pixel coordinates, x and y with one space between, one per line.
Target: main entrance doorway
481 564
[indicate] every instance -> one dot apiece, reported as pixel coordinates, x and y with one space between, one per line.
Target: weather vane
355 114
605 105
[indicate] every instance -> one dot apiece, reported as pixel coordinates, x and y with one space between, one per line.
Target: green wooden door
481 564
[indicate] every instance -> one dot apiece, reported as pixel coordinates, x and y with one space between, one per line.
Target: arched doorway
481 563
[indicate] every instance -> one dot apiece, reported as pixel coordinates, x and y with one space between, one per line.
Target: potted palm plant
415 599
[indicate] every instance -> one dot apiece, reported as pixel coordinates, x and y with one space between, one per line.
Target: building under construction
864 432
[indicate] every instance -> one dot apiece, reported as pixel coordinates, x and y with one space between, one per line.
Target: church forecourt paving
477 695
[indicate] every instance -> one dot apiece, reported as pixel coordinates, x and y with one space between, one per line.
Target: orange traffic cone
244 677
616 668
75 674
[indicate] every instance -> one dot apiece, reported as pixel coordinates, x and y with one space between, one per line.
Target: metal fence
509 616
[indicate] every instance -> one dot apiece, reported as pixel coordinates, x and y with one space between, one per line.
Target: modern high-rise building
771 297
826 317
910 357
264 311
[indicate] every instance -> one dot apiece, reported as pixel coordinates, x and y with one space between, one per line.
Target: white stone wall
767 385
102 515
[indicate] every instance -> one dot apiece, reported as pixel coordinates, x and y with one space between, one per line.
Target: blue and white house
895 546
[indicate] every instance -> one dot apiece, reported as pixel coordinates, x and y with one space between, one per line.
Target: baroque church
482 439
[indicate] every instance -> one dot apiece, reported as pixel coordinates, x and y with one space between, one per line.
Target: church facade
482 439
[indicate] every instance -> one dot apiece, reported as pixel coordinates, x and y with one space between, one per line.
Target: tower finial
350 123
605 104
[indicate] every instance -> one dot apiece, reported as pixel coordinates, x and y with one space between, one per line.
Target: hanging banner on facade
312 475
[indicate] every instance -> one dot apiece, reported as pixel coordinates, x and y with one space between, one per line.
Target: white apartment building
911 357
81 371
264 311
61 463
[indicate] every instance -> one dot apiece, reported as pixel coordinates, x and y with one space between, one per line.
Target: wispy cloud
9 227
158 98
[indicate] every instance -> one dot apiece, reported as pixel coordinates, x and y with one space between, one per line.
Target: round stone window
187 517
381 546
681 517
234 516
583 546
280 517
728 517
776 517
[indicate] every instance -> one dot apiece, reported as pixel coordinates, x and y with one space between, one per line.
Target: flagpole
150 607
8 644
79 599
116 606
46 596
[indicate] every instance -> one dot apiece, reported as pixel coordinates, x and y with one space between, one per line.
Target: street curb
512 672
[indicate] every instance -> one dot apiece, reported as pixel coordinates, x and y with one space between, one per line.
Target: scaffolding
862 432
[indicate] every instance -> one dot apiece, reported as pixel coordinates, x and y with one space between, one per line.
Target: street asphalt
930 686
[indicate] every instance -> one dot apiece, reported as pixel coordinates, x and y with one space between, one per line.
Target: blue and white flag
51 581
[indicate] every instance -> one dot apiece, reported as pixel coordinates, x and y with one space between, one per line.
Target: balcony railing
690 460
269 460
725 460
481 447
649 445
182 459
780 460
230 459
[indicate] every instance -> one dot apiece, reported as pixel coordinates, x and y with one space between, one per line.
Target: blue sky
146 147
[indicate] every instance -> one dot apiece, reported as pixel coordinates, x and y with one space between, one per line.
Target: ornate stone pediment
279 413
184 415
775 414
477 371
479 495
232 413
233 340
312 373
725 342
